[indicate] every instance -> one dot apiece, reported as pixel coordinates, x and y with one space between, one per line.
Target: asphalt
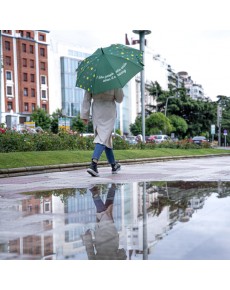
189 168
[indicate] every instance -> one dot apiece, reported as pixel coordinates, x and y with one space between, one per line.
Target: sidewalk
22 171
194 168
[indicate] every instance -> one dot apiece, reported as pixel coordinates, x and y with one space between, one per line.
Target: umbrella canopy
109 68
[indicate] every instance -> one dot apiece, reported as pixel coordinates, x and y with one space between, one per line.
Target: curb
22 171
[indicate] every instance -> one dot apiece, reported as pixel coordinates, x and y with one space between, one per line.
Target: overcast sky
204 54
192 36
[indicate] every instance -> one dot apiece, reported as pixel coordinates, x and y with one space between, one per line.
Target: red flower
2 130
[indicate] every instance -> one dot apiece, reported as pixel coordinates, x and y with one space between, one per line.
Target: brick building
24 74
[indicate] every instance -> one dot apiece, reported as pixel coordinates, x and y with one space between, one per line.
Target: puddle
131 221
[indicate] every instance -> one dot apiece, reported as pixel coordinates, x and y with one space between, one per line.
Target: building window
9 91
21 32
28 34
25 78
24 62
7 31
32 78
47 207
43 94
9 75
43 80
9 106
42 37
23 47
26 107
33 107
44 107
31 63
8 60
7 45
42 51
32 49
25 92
43 66
33 93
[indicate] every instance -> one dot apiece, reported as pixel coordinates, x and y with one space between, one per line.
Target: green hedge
12 141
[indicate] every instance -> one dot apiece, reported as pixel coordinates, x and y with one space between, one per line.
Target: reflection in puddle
133 221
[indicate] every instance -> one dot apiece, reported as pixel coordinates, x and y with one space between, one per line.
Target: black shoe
116 167
95 190
92 170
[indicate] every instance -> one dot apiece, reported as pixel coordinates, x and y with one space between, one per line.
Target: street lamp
0 76
142 34
171 97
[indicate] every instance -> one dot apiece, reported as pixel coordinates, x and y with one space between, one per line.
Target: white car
161 138
131 140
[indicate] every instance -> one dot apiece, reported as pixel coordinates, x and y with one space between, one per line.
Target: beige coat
103 113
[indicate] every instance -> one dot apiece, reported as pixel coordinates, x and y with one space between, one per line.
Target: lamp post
0 77
171 97
142 34
145 232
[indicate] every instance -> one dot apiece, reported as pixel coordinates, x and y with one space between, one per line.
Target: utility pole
219 120
142 34
166 105
1 65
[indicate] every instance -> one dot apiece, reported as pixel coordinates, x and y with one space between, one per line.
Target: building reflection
49 225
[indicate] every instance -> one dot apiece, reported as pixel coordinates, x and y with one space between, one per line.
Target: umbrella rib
130 60
113 69
87 65
122 59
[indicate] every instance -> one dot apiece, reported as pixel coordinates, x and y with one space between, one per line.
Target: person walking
105 244
103 107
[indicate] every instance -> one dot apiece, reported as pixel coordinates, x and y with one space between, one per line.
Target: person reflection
105 243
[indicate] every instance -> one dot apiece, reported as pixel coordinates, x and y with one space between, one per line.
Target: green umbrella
109 68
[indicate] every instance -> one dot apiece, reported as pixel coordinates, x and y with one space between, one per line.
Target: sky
204 54
192 36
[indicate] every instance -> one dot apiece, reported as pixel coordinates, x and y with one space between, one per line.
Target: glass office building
72 96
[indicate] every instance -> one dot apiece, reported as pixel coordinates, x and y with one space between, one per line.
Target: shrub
12 141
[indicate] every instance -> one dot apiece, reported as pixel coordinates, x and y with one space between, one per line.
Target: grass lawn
42 158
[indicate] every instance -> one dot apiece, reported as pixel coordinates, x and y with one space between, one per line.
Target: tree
136 127
198 114
54 120
159 95
78 125
157 123
224 103
179 125
41 119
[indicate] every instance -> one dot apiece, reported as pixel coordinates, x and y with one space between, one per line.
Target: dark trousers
100 206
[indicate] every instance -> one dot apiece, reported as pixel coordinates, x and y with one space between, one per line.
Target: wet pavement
172 210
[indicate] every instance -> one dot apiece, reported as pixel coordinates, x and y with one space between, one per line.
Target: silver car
161 138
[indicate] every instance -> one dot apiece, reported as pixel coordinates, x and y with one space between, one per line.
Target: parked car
199 140
161 138
115 135
151 139
131 140
87 134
